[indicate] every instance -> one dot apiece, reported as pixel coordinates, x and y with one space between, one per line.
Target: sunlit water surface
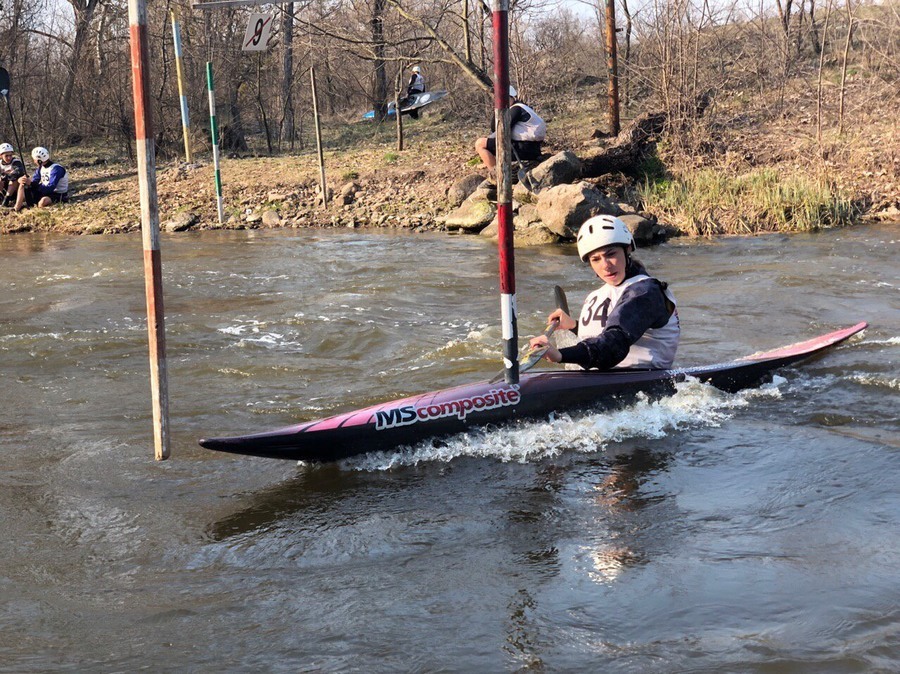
749 532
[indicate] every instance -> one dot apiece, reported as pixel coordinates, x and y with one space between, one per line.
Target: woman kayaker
629 322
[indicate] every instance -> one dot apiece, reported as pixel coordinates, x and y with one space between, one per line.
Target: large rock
563 167
348 192
271 218
181 221
473 215
524 234
463 188
527 214
645 231
565 207
523 195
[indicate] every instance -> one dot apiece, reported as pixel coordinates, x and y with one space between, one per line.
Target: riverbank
752 156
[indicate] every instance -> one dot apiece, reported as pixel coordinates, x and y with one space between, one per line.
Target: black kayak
442 413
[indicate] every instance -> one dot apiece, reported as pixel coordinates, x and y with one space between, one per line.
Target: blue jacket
49 179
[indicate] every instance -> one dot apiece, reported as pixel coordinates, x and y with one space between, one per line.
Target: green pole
214 130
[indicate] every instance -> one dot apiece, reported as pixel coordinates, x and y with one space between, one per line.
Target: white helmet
417 69
512 91
6 147
40 154
600 231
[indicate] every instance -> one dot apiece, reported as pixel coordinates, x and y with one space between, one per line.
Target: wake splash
693 405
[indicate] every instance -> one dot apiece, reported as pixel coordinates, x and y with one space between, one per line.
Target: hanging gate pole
500 19
179 70
214 132
146 155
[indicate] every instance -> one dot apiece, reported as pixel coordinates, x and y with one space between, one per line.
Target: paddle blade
4 82
561 301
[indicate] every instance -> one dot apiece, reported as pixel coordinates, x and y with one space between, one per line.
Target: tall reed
709 202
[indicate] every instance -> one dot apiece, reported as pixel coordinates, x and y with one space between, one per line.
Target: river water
750 532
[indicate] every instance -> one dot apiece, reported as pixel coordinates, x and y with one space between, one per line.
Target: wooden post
612 67
509 322
214 131
179 70
315 102
146 155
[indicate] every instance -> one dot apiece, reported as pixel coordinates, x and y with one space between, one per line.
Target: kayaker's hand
566 322
552 354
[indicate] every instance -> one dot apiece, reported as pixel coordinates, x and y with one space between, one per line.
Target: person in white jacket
527 132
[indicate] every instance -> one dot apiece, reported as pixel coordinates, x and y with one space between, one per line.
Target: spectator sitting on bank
526 131
49 185
11 169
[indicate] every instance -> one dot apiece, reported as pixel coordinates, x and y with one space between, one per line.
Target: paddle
524 176
561 301
533 356
4 91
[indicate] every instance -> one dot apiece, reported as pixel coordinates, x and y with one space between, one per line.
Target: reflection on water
706 531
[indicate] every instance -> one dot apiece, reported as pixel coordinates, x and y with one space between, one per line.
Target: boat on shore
443 413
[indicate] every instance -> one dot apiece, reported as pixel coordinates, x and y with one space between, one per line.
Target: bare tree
84 13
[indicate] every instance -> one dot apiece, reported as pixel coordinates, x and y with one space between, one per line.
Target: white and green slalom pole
179 70
214 130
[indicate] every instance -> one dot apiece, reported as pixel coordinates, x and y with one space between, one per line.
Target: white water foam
254 333
867 379
693 405
891 341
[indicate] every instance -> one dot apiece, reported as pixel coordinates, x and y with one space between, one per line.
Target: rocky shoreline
432 186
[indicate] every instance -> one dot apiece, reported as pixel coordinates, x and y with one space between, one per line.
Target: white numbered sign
258 31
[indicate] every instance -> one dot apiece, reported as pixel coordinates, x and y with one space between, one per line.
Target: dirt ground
375 185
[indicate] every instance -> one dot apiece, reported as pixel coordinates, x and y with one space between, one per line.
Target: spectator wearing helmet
49 185
629 322
527 132
11 169
416 82
415 86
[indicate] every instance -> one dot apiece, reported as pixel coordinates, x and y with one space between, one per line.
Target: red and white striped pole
146 154
500 19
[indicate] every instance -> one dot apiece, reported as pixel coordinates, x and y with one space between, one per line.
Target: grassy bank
710 202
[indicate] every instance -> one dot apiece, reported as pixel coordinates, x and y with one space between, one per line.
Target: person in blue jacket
49 185
11 169
631 321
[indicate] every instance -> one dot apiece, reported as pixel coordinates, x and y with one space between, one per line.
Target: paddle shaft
4 89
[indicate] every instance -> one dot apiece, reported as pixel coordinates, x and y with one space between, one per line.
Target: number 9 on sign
259 28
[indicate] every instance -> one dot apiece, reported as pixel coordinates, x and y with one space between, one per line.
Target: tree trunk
286 133
627 63
84 12
379 93
814 28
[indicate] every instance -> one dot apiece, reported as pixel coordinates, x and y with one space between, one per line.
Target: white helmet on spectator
416 69
40 154
600 231
6 147
513 92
